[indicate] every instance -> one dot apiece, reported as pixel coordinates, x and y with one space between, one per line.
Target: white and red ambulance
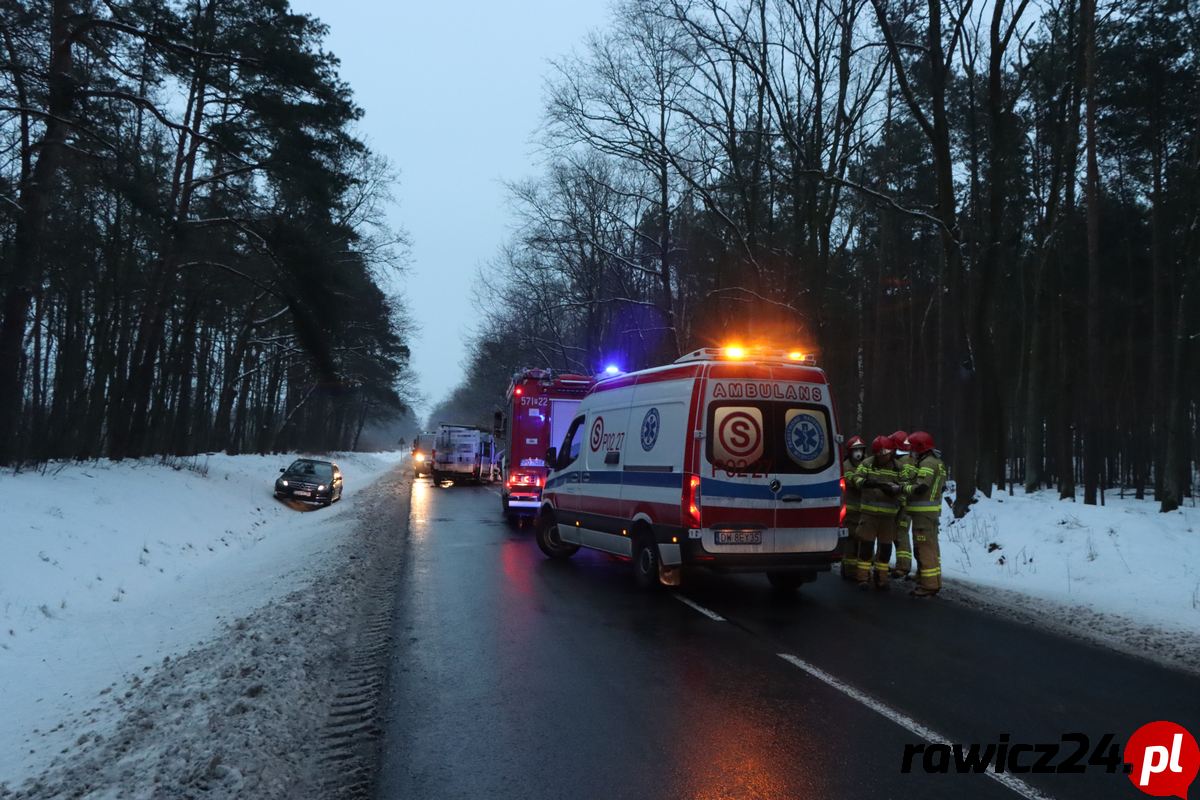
726 459
540 405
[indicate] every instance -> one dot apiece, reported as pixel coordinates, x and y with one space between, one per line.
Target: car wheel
645 561
549 541
787 581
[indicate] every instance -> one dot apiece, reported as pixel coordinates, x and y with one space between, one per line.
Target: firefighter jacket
852 497
923 490
908 471
871 479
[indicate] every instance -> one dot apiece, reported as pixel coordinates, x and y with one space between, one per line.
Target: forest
193 248
984 219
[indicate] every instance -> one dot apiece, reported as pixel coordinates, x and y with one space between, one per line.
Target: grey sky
453 97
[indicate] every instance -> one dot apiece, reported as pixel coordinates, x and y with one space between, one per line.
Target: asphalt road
517 677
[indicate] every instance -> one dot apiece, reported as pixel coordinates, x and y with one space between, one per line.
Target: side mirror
552 458
281 469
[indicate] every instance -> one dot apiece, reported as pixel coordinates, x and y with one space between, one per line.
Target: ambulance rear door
804 459
736 465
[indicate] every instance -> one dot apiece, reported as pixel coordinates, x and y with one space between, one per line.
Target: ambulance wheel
548 540
645 561
787 581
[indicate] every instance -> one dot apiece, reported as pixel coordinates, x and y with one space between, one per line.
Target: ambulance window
760 436
571 444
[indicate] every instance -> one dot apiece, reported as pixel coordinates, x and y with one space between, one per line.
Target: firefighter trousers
904 551
876 534
929 554
850 549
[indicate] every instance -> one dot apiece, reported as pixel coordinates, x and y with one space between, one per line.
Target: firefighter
904 551
923 492
852 498
878 477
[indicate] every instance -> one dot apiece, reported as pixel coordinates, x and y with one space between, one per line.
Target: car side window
572 444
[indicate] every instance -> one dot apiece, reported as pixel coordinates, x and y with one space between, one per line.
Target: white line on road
710 614
1015 784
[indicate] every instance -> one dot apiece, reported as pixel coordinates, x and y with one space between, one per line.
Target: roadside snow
1121 573
107 568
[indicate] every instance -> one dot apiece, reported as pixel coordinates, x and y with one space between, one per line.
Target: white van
462 453
725 459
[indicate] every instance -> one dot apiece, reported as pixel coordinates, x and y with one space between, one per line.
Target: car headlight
321 488
419 457
285 483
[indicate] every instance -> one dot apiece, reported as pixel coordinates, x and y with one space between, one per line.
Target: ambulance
725 459
540 405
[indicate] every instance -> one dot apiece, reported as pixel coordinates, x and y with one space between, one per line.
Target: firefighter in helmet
856 449
922 491
878 477
904 551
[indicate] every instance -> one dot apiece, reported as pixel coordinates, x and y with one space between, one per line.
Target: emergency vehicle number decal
608 441
739 439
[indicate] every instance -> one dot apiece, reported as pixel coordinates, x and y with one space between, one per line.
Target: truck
463 453
539 406
422 449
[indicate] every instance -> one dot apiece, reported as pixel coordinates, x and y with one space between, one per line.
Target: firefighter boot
929 558
862 567
883 554
850 559
904 553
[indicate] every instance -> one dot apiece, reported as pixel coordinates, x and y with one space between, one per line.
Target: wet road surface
517 677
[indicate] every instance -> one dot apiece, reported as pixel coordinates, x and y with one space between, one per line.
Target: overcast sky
453 97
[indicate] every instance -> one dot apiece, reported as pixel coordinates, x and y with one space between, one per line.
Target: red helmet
855 441
880 444
898 440
919 442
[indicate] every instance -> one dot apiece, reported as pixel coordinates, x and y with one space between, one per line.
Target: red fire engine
540 407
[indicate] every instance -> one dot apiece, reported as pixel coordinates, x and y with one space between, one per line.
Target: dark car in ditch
310 480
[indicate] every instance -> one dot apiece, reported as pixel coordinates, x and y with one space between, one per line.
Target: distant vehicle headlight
321 488
419 457
285 483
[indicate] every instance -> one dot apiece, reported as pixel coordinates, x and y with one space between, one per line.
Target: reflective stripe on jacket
852 497
874 499
924 489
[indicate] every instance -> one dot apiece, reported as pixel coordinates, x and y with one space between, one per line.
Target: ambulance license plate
739 537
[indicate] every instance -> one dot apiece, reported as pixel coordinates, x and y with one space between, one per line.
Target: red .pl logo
1163 758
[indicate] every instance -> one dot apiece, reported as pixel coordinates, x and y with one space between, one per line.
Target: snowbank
106 568
1121 570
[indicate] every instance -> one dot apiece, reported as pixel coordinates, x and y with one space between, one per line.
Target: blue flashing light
612 369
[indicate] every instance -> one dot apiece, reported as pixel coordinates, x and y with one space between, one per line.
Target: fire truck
540 405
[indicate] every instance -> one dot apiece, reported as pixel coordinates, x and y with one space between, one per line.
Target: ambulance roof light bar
756 354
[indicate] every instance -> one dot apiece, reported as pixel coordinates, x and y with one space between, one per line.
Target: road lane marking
706 612
1015 784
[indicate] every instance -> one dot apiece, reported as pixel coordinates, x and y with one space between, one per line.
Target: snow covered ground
107 569
1121 573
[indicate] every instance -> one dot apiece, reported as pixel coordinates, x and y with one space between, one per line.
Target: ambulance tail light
691 501
842 518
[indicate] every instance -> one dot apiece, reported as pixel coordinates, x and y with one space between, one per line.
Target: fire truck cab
540 404
726 459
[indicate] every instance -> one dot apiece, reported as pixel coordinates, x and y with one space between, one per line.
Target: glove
871 483
890 489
